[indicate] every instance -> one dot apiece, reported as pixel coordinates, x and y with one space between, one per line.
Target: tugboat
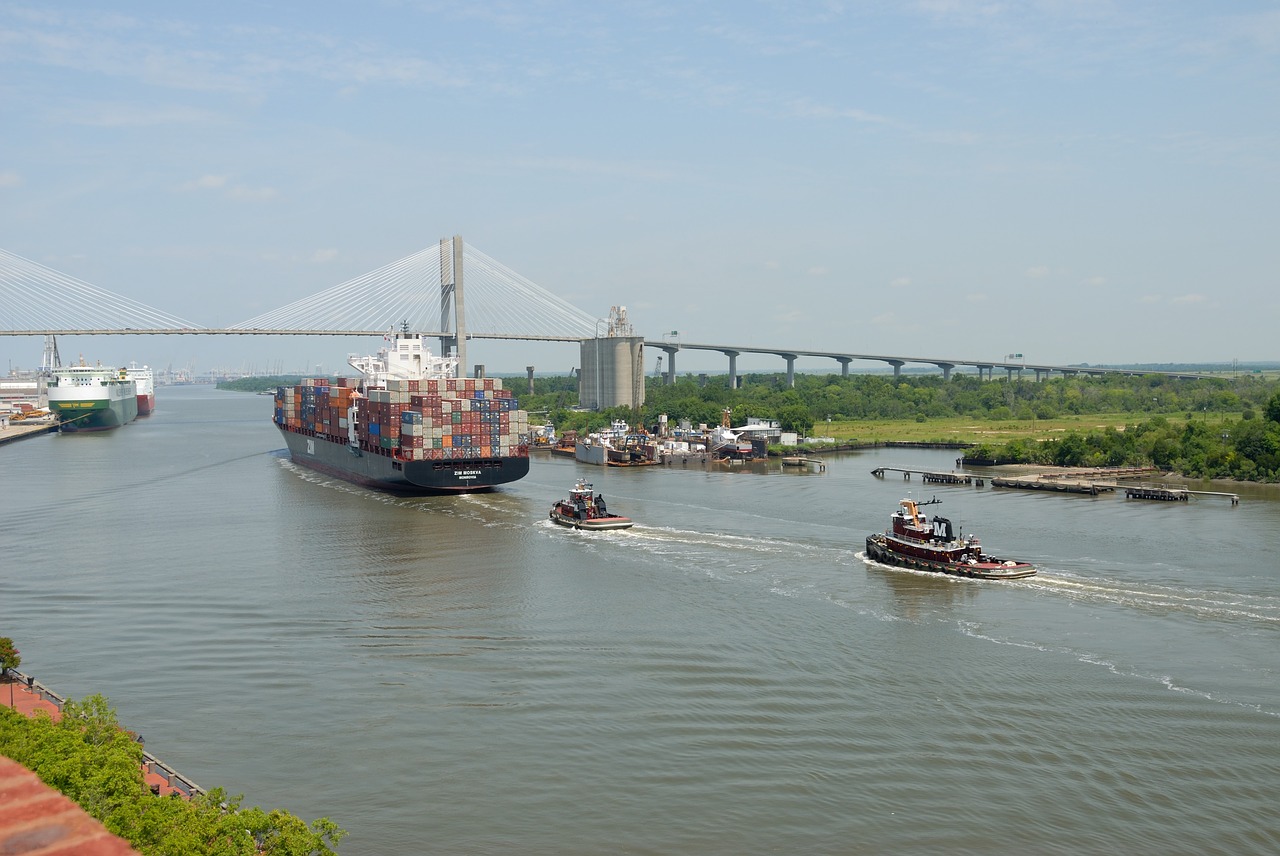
923 545
586 510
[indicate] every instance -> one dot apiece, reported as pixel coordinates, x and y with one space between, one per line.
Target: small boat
920 544
586 510
567 445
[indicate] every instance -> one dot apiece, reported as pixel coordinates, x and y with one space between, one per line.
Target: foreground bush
93 761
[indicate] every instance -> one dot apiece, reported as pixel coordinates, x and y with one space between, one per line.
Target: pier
931 476
1091 481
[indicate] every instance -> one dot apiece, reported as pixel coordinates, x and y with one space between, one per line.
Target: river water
457 675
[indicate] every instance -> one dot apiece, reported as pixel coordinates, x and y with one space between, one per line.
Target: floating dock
794 461
1054 483
1167 493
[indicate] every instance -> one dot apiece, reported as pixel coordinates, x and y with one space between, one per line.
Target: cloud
976 297
1150 298
10 179
808 109
1095 281
100 115
901 282
818 270
230 191
206 182
1190 298
252 194
324 256
1038 272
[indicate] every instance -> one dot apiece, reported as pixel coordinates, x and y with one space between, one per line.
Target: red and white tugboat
923 545
586 510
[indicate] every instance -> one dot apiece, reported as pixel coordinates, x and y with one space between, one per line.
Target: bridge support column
1041 374
984 372
529 369
733 368
897 369
670 351
844 365
946 370
791 369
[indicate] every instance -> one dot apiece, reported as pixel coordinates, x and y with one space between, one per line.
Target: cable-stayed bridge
449 291
424 292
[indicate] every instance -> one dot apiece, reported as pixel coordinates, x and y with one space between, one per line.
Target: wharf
23 430
30 696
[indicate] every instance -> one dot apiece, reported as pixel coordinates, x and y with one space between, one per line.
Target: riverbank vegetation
1205 428
87 756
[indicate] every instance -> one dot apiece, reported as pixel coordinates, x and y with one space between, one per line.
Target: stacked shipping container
411 420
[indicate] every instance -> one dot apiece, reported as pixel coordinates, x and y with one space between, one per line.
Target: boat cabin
910 522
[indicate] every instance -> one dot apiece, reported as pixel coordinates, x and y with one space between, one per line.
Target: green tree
9 659
1273 408
796 417
93 761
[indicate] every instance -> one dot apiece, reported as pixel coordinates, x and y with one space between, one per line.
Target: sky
1079 181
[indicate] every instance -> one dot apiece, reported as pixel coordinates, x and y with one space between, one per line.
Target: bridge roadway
790 355
983 366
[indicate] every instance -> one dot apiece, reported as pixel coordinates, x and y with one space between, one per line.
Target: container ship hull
407 424
370 469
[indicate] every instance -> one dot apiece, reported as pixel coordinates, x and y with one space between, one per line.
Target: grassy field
968 430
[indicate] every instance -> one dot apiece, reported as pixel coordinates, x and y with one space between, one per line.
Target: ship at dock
406 424
145 381
92 398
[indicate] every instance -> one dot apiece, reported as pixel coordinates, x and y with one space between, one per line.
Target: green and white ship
92 398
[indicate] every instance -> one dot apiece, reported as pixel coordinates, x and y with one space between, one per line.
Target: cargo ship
406 424
146 384
92 398
917 543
